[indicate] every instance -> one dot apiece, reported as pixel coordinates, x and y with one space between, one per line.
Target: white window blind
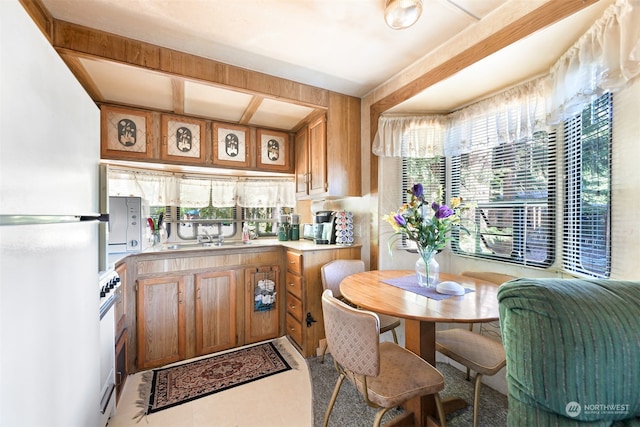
508 192
431 173
587 198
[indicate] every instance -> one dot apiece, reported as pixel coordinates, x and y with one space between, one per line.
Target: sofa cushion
573 350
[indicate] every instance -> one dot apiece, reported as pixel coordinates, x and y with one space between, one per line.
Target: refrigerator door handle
49 219
98 217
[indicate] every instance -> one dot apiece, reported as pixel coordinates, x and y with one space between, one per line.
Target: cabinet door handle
179 297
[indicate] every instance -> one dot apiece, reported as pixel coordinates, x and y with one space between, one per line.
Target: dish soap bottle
245 233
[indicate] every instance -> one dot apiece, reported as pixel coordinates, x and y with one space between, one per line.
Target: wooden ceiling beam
74 64
547 14
177 91
73 39
251 109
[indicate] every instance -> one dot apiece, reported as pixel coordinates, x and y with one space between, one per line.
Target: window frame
574 202
521 244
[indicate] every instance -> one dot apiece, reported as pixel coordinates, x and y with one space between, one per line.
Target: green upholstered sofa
573 351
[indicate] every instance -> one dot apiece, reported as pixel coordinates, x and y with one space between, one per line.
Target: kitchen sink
221 245
178 246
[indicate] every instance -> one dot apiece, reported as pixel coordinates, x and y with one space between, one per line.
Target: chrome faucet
207 235
220 236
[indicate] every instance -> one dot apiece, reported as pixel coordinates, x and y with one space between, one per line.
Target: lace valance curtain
603 60
415 136
196 192
266 193
163 189
513 115
159 189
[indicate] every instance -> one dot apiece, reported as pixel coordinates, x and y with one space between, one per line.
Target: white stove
108 283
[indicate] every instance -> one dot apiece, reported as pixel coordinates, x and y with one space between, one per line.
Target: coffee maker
323 224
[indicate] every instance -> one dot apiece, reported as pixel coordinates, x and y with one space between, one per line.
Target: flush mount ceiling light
401 14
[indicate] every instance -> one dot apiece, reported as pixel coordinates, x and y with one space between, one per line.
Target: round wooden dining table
368 290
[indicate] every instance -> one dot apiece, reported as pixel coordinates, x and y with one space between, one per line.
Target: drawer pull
292 306
310 320
291 284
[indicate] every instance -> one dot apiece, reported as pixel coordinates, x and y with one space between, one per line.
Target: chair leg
379 415
440 408
395 336
336 389
476 399
468 372
324 350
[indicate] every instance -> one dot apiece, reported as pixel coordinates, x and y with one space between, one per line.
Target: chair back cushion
352 336
572 349
334 271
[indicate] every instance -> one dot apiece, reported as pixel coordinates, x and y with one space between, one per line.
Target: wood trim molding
40 15
547 14
539 18
72 39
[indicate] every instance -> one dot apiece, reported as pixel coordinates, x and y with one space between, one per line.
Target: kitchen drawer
294 329
294 262
294 306
294 285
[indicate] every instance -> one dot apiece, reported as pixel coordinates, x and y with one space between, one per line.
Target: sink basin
223 244
178 246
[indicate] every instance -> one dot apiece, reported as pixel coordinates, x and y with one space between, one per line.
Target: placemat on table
410 283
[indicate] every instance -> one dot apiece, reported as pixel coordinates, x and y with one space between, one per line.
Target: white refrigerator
49 154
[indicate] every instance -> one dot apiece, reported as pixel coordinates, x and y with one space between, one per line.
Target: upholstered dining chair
332 274
384 373
474 351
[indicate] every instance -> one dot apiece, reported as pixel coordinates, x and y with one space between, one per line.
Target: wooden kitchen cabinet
311 158
161 321
126 133
195 303
262 311
317 178
328 162
163 306
304 321
215 311
301 148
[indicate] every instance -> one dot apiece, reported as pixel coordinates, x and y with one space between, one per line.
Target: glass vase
427 269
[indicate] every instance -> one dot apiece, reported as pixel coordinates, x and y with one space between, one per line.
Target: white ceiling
340 45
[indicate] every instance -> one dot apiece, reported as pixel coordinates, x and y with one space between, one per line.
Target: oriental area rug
167 387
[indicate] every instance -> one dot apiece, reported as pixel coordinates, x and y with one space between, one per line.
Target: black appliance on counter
324 228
